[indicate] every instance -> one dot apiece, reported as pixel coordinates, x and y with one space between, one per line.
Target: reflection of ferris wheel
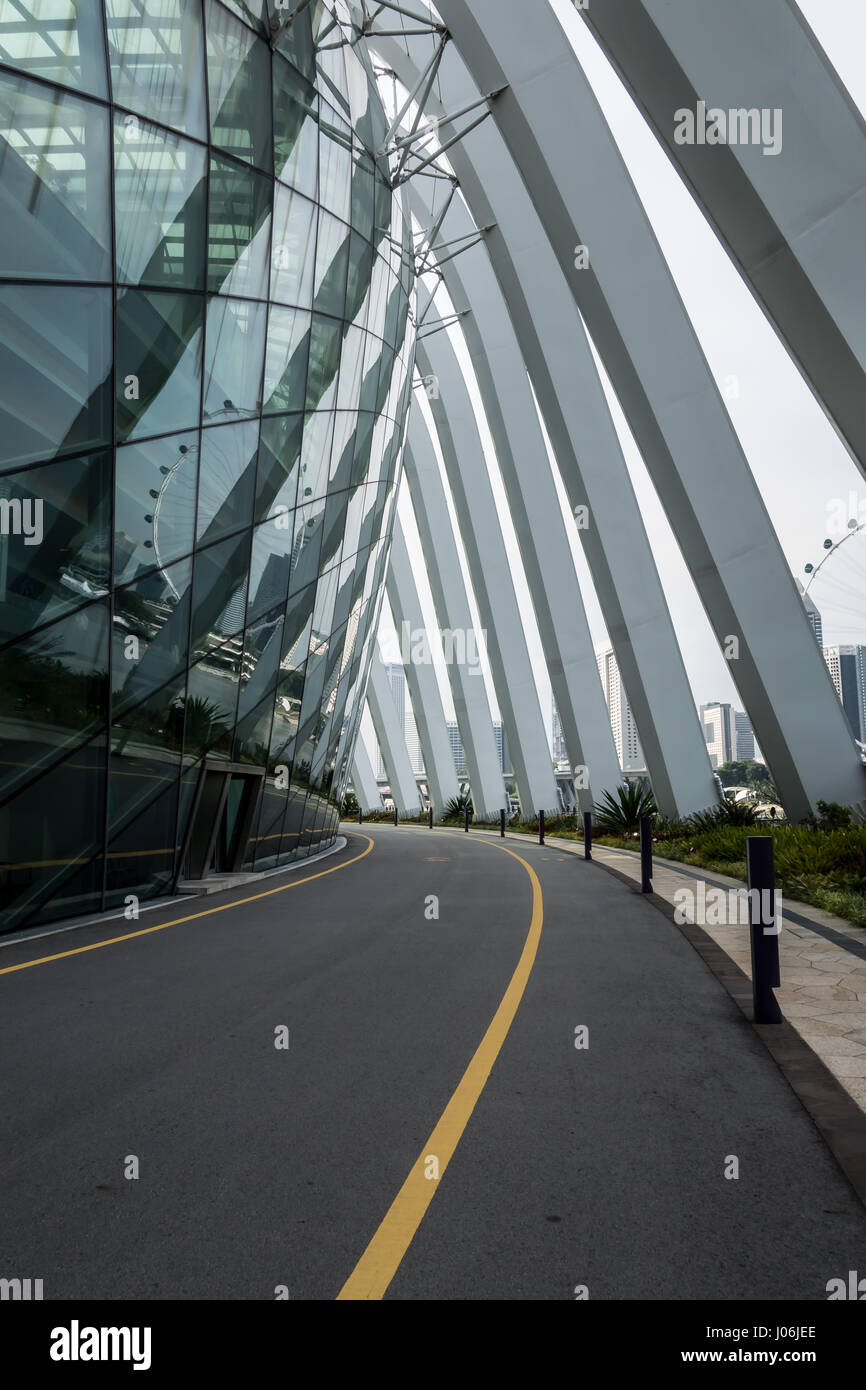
195 487
836 586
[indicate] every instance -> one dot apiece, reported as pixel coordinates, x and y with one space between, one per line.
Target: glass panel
269 574
158 365
152 727
212 700
360 278
307 544
286 359
296 129
293 253
157 61
326 343
239 228
335 520
252 12
277 477
159 199
227 479
53 693
151 621
316 455
363 202
235 351
54 193
55 365
351 371
332 262
254 733
335 170
154 504
54 541
141 857
58 40
52 844
342 452
239 86
219 592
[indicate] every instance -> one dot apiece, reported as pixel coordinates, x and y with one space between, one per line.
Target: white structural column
421 675
364 778
555 349
633 311
392 739
794 220
471 706
532 497
490 572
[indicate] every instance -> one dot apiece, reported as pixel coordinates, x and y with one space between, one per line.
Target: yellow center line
383 1256
192 917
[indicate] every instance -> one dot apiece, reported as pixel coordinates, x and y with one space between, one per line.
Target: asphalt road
262 1167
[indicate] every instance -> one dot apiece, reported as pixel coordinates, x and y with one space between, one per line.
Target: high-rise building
843 663
558 748
720 732
861 690
459 756
812 614
397 681
745 737
625 735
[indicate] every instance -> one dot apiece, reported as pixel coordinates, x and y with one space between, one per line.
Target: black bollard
430 817
587 834
541 827
764 929
646 854
502 824
466 819
396 821
360 816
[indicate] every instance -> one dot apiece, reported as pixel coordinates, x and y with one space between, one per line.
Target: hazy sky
797 459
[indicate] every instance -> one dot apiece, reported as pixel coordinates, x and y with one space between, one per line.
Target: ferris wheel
836 585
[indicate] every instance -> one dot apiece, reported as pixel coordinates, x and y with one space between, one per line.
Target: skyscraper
843 664
625 735
812 614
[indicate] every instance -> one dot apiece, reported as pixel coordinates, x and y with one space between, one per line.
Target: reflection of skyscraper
628 749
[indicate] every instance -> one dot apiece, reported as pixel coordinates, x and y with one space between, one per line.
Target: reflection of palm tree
202 721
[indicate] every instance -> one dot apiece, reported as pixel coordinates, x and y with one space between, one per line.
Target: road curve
263 1168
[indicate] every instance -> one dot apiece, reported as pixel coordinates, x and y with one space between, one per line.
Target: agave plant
621 813
456 808
729 813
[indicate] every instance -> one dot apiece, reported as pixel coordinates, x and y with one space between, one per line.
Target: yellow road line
193 916
383 1256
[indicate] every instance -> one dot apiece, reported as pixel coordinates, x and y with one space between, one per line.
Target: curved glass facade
205 366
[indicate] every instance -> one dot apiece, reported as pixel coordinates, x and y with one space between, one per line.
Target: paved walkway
395 966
